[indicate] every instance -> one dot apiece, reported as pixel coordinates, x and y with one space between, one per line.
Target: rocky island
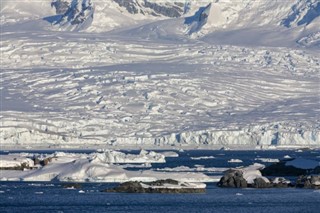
159 186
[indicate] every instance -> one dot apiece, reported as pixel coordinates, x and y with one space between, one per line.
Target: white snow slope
249 79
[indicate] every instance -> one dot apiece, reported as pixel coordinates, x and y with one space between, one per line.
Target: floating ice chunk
235 161
268 160
110 156
170 154
202 157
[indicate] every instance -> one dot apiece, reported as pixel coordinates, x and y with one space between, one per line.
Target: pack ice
146 73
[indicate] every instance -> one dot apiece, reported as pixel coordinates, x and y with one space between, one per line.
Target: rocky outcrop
309 182
233 179
280 182
260 183
159 186
71 185
61 6
74 17
42 162
174 9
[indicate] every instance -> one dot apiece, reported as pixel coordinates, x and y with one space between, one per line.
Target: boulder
260 183
233 179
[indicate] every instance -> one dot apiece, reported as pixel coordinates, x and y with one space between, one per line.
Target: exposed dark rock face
174 9
72 185
61 6
171 11
260 183
136 187
79 14
309 182
131 6
233 179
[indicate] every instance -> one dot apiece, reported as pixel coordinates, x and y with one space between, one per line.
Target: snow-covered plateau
147 73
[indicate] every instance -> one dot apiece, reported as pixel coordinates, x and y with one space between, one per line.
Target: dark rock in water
281 182
309 182
233 179
72 185
260 183
154 187
280 169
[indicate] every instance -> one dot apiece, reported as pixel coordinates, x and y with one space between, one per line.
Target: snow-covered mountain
160 73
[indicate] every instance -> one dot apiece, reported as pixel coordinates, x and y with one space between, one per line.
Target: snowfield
139 80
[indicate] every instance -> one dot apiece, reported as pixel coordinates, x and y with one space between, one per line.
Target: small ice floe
239 194
287 157
202 157
39 193
35 184
170 154
2 192
235 161
267 160
299 150
81 191
71 187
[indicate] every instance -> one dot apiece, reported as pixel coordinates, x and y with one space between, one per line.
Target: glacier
98 74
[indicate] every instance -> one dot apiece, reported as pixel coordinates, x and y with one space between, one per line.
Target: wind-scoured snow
138 79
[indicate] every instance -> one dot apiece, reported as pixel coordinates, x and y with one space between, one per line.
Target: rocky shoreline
268 177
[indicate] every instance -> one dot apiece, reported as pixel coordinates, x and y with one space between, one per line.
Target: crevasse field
94 93
80 74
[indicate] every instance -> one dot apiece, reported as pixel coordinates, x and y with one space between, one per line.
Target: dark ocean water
52 197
